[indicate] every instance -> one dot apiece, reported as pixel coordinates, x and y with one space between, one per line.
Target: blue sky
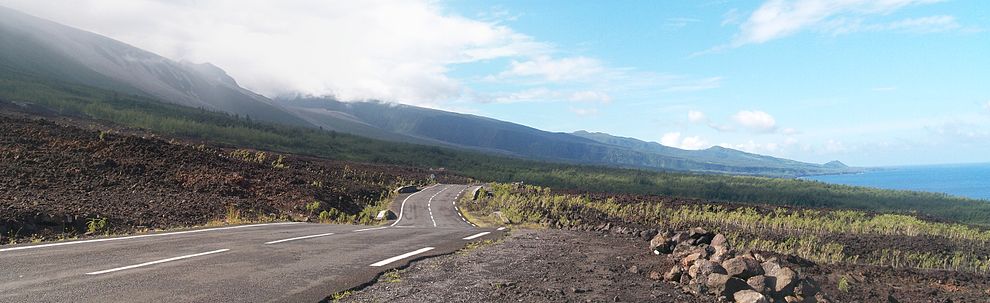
903 84
886 82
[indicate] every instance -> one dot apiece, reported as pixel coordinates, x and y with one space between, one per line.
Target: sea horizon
968 180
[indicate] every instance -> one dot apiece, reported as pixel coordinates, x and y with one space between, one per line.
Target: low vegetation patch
829 237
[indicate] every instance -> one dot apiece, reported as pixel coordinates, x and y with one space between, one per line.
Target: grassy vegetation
366 216
391 276
141 112
336 297
96 226
804 232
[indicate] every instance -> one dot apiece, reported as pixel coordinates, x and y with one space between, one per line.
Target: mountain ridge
34 47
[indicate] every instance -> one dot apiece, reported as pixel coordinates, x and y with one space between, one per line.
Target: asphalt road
280 262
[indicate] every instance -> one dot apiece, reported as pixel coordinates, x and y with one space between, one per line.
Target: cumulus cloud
755 120
696 116
380 49
674 139
781 18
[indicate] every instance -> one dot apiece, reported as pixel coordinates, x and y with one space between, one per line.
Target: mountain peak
835 164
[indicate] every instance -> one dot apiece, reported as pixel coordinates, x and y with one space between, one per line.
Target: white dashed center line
298 238
429 205
400 257
403 206
156 262
370 229
141 236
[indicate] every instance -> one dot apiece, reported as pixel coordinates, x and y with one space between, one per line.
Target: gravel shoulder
534 266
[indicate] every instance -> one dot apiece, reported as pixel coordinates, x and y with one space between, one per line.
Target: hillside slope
35 47
428 126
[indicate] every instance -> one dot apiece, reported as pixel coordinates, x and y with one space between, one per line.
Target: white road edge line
157 262
298 238
370 229
403 206
141 236
478 235
402 256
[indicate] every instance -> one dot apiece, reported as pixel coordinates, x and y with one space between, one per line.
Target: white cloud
380 49
555 70
543 94
923 25
780 18
674 139
757 121
696 116
584 111
590 96
986 106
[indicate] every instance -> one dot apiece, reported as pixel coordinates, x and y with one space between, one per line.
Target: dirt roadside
534 266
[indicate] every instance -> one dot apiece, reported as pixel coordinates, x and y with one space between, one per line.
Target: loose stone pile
707 264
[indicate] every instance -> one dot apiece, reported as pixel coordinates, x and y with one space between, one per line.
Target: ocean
965 180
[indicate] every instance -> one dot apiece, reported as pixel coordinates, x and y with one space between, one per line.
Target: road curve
294 262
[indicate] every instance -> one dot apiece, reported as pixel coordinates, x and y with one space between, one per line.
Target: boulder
661 244
679 237
683 249
385 215
648 234
769 266
720 241
784 280
689 260
700 236
743 267
760 283
407 189
720 253
724 285
674 275
749 296
702 268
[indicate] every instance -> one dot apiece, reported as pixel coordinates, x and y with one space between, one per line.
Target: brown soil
536 266
581 266
55 176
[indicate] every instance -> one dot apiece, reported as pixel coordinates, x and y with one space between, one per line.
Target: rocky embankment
706 264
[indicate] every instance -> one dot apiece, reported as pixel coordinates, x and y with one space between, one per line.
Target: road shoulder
532 266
